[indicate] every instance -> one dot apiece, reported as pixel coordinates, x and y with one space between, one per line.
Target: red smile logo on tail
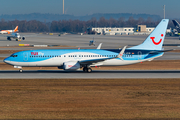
156 43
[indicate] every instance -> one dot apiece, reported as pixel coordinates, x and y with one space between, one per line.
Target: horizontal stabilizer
159 51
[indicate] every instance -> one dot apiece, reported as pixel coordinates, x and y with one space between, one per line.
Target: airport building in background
139 30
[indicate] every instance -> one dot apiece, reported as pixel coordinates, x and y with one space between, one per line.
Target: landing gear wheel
84 69
8 38
89 70
20 70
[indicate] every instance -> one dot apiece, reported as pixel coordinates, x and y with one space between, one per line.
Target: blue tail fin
155 40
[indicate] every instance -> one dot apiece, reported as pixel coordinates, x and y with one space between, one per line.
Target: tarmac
82 41
58 74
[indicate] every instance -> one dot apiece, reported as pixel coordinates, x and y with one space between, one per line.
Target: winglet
121 53
99 46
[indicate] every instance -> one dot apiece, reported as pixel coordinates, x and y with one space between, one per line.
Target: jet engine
71 65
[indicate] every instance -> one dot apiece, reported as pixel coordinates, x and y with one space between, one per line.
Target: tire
8 38
89 70
20 70
84 69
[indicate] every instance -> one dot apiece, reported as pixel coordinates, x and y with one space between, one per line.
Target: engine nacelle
71 65
23 38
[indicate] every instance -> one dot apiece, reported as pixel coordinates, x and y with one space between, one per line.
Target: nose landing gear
20 68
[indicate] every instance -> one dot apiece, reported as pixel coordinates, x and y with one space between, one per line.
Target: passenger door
139 55
25 56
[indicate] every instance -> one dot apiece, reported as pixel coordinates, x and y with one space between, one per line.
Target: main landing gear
87 69
20 70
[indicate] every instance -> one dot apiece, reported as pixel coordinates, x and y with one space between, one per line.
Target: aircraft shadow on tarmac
94 71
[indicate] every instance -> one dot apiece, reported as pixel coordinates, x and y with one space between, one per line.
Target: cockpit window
13 56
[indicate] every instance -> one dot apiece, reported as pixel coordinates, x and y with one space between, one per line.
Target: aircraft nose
6 60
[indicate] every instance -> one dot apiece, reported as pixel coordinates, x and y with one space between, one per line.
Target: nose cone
6 60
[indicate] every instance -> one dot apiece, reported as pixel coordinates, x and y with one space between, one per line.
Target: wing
93 61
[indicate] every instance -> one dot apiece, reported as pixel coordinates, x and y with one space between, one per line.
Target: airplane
9 31
13 35
92 42
75 59
177 25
